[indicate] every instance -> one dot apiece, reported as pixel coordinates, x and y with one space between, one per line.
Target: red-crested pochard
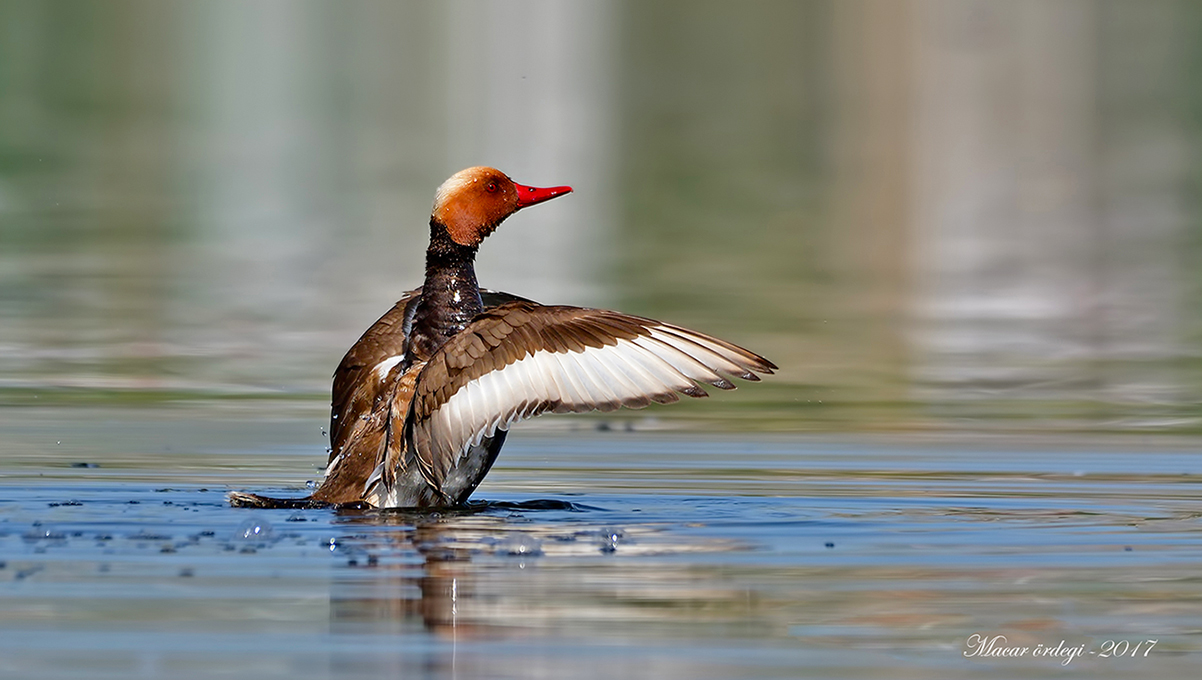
422 402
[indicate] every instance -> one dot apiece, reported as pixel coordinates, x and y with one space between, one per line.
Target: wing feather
683 362
728 358
655 389
521 359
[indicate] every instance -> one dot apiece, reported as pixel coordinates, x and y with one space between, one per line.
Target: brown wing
521 359
355 387
373 438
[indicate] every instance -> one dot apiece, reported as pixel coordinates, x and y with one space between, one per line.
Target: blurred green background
932 215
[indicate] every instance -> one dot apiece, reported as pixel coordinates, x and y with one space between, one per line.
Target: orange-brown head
474 201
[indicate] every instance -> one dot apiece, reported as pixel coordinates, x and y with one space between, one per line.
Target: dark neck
450 295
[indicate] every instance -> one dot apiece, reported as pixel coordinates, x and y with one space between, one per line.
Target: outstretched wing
521 359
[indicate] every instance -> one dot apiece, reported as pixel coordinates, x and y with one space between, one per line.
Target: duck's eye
491 188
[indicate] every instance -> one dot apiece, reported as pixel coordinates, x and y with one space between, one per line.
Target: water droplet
254 530
520 544
609 540
43 533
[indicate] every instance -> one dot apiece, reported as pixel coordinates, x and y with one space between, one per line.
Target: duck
422 402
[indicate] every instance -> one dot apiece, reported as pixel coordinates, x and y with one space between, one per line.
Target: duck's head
474 201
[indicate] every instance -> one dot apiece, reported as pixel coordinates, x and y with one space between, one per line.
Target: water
593 554
967 232
929 214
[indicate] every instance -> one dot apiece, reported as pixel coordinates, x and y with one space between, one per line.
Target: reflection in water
1043 229
930 214
476 575
397 594
964 214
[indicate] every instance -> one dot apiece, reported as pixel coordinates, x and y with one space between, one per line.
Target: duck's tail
242 499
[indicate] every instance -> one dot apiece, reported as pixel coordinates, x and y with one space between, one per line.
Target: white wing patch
385 367
631 373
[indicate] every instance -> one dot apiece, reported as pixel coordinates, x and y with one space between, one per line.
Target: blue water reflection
929 214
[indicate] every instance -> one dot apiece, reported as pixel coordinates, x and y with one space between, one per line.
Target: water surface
593 554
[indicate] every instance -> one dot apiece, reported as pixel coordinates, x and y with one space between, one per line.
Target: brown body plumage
422 402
